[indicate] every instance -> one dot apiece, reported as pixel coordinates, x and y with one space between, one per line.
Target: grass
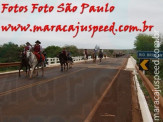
148 98
150 76
150 73
146 94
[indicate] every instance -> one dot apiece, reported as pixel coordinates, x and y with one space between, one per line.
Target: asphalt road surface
67 96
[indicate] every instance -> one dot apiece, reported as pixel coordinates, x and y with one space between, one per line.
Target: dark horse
100 56
65 61
24 63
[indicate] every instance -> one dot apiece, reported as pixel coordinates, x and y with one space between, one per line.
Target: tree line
10 52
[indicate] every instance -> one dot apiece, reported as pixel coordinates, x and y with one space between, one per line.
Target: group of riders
41 55
94 55
34 55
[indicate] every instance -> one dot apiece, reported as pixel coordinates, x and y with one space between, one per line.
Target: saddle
40 57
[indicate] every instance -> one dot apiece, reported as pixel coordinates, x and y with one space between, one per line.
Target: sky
127 12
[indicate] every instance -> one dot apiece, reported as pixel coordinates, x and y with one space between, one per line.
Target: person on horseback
85 54
100 54
27 47
38 51
69 57
68 53
94 55
64 52
24 59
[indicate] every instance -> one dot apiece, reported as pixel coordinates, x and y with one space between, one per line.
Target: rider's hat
27 43
38 42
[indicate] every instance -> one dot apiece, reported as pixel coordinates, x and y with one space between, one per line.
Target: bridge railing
9 64
55 60
50 61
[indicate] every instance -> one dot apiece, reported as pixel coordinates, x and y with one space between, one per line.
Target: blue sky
126 12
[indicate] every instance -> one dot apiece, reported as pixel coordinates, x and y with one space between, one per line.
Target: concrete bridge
89 92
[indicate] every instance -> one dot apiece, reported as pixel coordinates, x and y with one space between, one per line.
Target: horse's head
28 54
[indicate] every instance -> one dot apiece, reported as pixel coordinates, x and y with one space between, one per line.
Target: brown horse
63 61
94 57
24 63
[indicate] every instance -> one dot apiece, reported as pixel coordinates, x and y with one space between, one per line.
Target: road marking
37 83
107 115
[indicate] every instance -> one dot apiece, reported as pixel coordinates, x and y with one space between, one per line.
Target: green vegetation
9 52
73 50
145 42
109 52
52 51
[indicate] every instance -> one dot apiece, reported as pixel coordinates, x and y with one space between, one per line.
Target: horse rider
64 52
100 54
69 56
85 54
95 53
27 47
38 51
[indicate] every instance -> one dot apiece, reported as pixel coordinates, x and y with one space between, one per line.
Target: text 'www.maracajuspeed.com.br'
77 28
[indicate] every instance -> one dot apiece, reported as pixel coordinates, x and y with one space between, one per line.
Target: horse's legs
64 66
33 68
28 67
37 70
20 69
26 70
42 69
94 60
61 66
67 65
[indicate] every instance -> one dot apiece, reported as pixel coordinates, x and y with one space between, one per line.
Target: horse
63 61
100 56
85 58
94 57
105 56
24 63
34 63
70 61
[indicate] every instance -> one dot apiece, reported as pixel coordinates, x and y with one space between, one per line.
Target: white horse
33 62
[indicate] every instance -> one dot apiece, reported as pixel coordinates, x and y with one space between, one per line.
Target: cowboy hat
27 43
38 42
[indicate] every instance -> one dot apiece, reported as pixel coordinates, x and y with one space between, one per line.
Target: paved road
65 96
117 104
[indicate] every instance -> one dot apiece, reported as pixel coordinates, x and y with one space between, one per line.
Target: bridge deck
67 96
